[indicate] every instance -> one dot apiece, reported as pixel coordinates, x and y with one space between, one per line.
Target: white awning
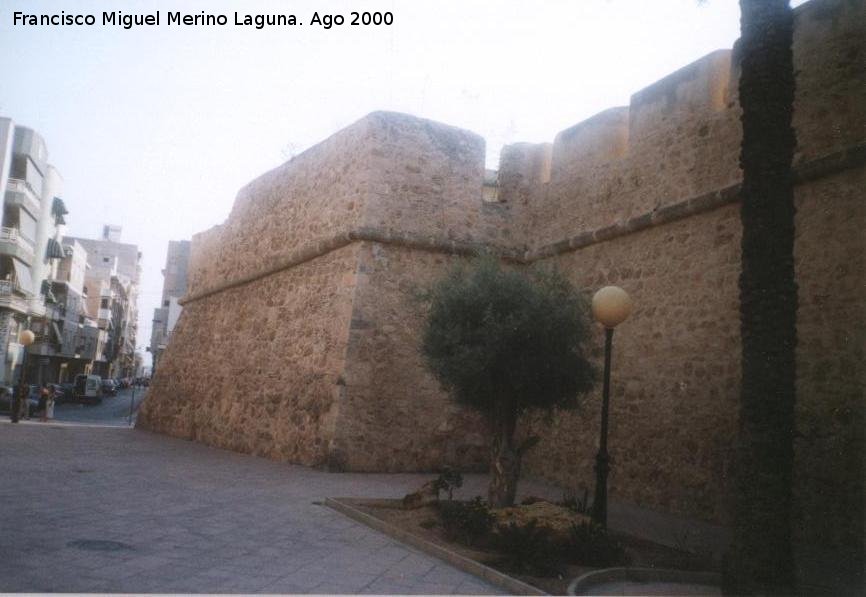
22 273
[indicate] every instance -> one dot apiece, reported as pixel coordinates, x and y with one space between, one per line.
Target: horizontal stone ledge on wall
432 244
365 233
840 161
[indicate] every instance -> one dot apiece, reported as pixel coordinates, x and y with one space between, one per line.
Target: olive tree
503 342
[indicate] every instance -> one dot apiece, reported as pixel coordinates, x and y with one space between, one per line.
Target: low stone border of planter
582 585
510 584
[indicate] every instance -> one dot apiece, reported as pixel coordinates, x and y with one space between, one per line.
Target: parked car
57 390
109 387
7 393
87 389
67 393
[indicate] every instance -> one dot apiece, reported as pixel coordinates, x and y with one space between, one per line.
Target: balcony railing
12 238
23 195
43 345
12 297
9 234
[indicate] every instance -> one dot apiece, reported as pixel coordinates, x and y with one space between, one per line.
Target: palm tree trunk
761 558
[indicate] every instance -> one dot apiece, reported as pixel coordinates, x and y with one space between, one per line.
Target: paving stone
197 519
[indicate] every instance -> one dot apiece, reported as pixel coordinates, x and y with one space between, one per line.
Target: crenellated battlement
396 176
678 138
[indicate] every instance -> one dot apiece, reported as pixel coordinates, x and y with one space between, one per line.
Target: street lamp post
25 339
611 306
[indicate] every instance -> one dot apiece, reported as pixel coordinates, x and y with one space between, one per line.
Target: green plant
467 522
528 549
575 504
449 480
591 545
503 342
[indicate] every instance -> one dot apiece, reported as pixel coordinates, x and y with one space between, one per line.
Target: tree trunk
761 558
504 462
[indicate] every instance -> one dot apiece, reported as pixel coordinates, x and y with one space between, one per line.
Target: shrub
528 549
467 522
572 502
591 545
449 480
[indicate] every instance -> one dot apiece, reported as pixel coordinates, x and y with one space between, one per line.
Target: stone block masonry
299 339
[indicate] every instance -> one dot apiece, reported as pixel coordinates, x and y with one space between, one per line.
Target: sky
156 128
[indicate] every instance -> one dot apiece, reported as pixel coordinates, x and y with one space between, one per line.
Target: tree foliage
498 338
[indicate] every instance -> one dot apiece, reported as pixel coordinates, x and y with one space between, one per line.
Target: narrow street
114 410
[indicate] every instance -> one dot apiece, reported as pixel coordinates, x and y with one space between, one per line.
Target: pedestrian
21 405
43 404
5 395
49 409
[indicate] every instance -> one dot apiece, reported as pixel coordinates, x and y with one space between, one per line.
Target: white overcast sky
156 128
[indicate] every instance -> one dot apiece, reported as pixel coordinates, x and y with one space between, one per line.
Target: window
104 303
25 169
27 225
106 259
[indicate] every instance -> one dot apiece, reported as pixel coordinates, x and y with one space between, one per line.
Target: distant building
81 340
173 288
111 232
111 289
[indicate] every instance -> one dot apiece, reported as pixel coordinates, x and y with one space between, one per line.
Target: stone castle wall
268 357
279 300
387 386
644 197
327 252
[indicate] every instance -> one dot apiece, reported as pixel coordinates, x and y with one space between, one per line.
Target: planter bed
423 529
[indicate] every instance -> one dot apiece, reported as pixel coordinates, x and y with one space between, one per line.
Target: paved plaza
100 509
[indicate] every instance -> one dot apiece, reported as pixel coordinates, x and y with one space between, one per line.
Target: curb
582 585
58 424
494 577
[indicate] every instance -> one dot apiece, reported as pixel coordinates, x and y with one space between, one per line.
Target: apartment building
81 341
174 286
32 224
111 286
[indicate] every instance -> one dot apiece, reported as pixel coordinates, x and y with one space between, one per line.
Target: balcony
19 193
11 297
103 319
15 245
43 346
